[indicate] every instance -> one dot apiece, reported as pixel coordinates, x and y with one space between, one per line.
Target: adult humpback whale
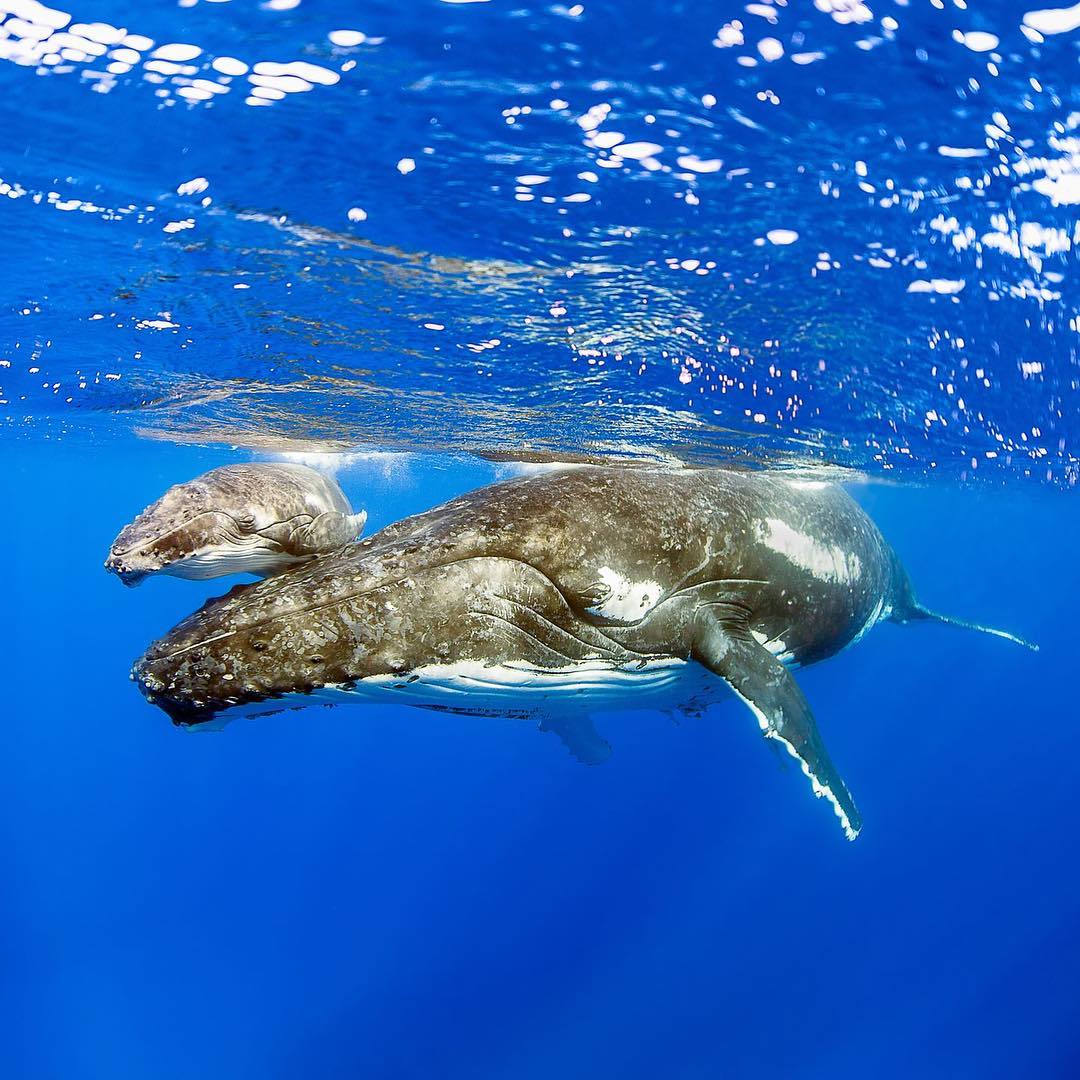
558 594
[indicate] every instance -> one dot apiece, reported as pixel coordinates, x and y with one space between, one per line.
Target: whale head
287 637
181 536
359 621
254 518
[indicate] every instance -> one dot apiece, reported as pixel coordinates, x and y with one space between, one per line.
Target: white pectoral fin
355 524
578 735
772 694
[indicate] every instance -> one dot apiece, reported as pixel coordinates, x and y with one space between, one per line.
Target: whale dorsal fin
724 645
578 735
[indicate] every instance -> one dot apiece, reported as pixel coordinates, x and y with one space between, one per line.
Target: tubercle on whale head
181 713
194 672
186 701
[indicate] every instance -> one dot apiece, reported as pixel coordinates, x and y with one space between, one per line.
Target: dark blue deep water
416 242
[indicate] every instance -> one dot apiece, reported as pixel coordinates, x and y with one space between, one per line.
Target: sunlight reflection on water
844 233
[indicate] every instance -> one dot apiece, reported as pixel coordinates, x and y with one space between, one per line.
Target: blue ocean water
414 244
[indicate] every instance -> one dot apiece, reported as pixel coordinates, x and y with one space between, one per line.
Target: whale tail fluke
914 611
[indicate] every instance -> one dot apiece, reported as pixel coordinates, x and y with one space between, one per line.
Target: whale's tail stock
913 611
906 608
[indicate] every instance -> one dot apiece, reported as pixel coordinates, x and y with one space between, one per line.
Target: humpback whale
252 518
557 595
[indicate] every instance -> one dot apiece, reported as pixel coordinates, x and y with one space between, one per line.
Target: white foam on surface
770 49
961 151
1063 190
1054 20
229 65
942 286
347 39
781 237
979 41
177 52
638 151
692 163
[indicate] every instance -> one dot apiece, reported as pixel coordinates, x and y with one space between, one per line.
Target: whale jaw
130 578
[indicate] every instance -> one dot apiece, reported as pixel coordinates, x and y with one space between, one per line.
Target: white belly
506 686
592 685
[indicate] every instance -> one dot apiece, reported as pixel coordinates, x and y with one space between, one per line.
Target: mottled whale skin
558 594
257 518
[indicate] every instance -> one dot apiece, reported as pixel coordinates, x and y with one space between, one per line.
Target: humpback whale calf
252 518
557 595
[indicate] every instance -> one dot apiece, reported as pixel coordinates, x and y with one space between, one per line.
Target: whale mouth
211 714
182 712
114 564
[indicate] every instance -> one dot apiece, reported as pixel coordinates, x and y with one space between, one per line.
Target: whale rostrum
559 595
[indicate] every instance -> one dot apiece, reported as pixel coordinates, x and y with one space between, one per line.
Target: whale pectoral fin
328 532
773 695
578 735
595 595
354 524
